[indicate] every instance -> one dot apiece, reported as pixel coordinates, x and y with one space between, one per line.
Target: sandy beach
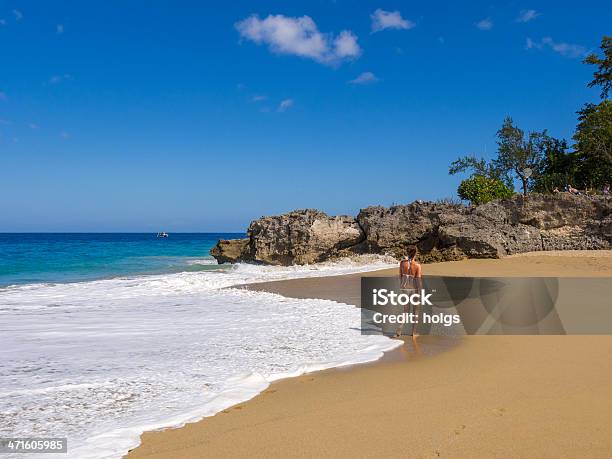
508 396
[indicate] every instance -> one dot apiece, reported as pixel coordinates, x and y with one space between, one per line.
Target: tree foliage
548 162
479 189
558 169
516 154
602 77
593 145
478 166
520 156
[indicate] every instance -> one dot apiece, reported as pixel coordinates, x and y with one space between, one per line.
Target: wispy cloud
33 126
527 15
18 15
565 49
59 29
64 135
258 98
530 44
365 78
284 105
5 122
299 36
57 79
382 20
2 22
484 24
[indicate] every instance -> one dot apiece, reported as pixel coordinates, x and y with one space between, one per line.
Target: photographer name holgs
384 297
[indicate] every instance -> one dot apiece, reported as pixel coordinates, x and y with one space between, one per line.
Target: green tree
478 166
558 168
520 156
593 144
603 75
479 189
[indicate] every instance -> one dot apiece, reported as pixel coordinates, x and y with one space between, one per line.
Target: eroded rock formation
441 231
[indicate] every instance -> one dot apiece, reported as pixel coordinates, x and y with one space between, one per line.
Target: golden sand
502 396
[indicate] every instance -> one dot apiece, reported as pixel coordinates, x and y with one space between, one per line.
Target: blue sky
200 116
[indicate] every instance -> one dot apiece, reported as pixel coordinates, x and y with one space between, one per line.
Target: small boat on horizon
162 234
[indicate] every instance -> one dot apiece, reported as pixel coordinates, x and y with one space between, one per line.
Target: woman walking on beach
410 282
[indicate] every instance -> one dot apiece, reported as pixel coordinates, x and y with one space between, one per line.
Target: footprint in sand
459 429
499 411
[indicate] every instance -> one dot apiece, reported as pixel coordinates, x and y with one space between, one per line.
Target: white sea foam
203 261
100 362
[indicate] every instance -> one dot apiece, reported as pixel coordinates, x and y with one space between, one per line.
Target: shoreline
200 438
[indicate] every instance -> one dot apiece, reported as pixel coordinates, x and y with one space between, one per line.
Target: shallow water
102 361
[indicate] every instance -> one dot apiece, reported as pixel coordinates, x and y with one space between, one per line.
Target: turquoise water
33 258
154 344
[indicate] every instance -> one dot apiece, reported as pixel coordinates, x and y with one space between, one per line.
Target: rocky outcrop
230 250
299 237
441 231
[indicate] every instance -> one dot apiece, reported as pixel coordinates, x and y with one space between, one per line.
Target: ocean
105 336
69 257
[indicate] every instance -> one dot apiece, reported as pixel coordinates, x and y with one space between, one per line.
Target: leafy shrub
479 189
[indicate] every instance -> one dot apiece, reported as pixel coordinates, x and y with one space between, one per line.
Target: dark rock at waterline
441 231
230 250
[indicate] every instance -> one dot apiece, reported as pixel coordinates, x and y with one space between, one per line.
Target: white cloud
257 98
18 15
527 15
299 36
484 24
346 46
284 105
33 126
565 49
365 78
59 28
382 20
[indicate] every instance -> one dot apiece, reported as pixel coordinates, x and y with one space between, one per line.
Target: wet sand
542 396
